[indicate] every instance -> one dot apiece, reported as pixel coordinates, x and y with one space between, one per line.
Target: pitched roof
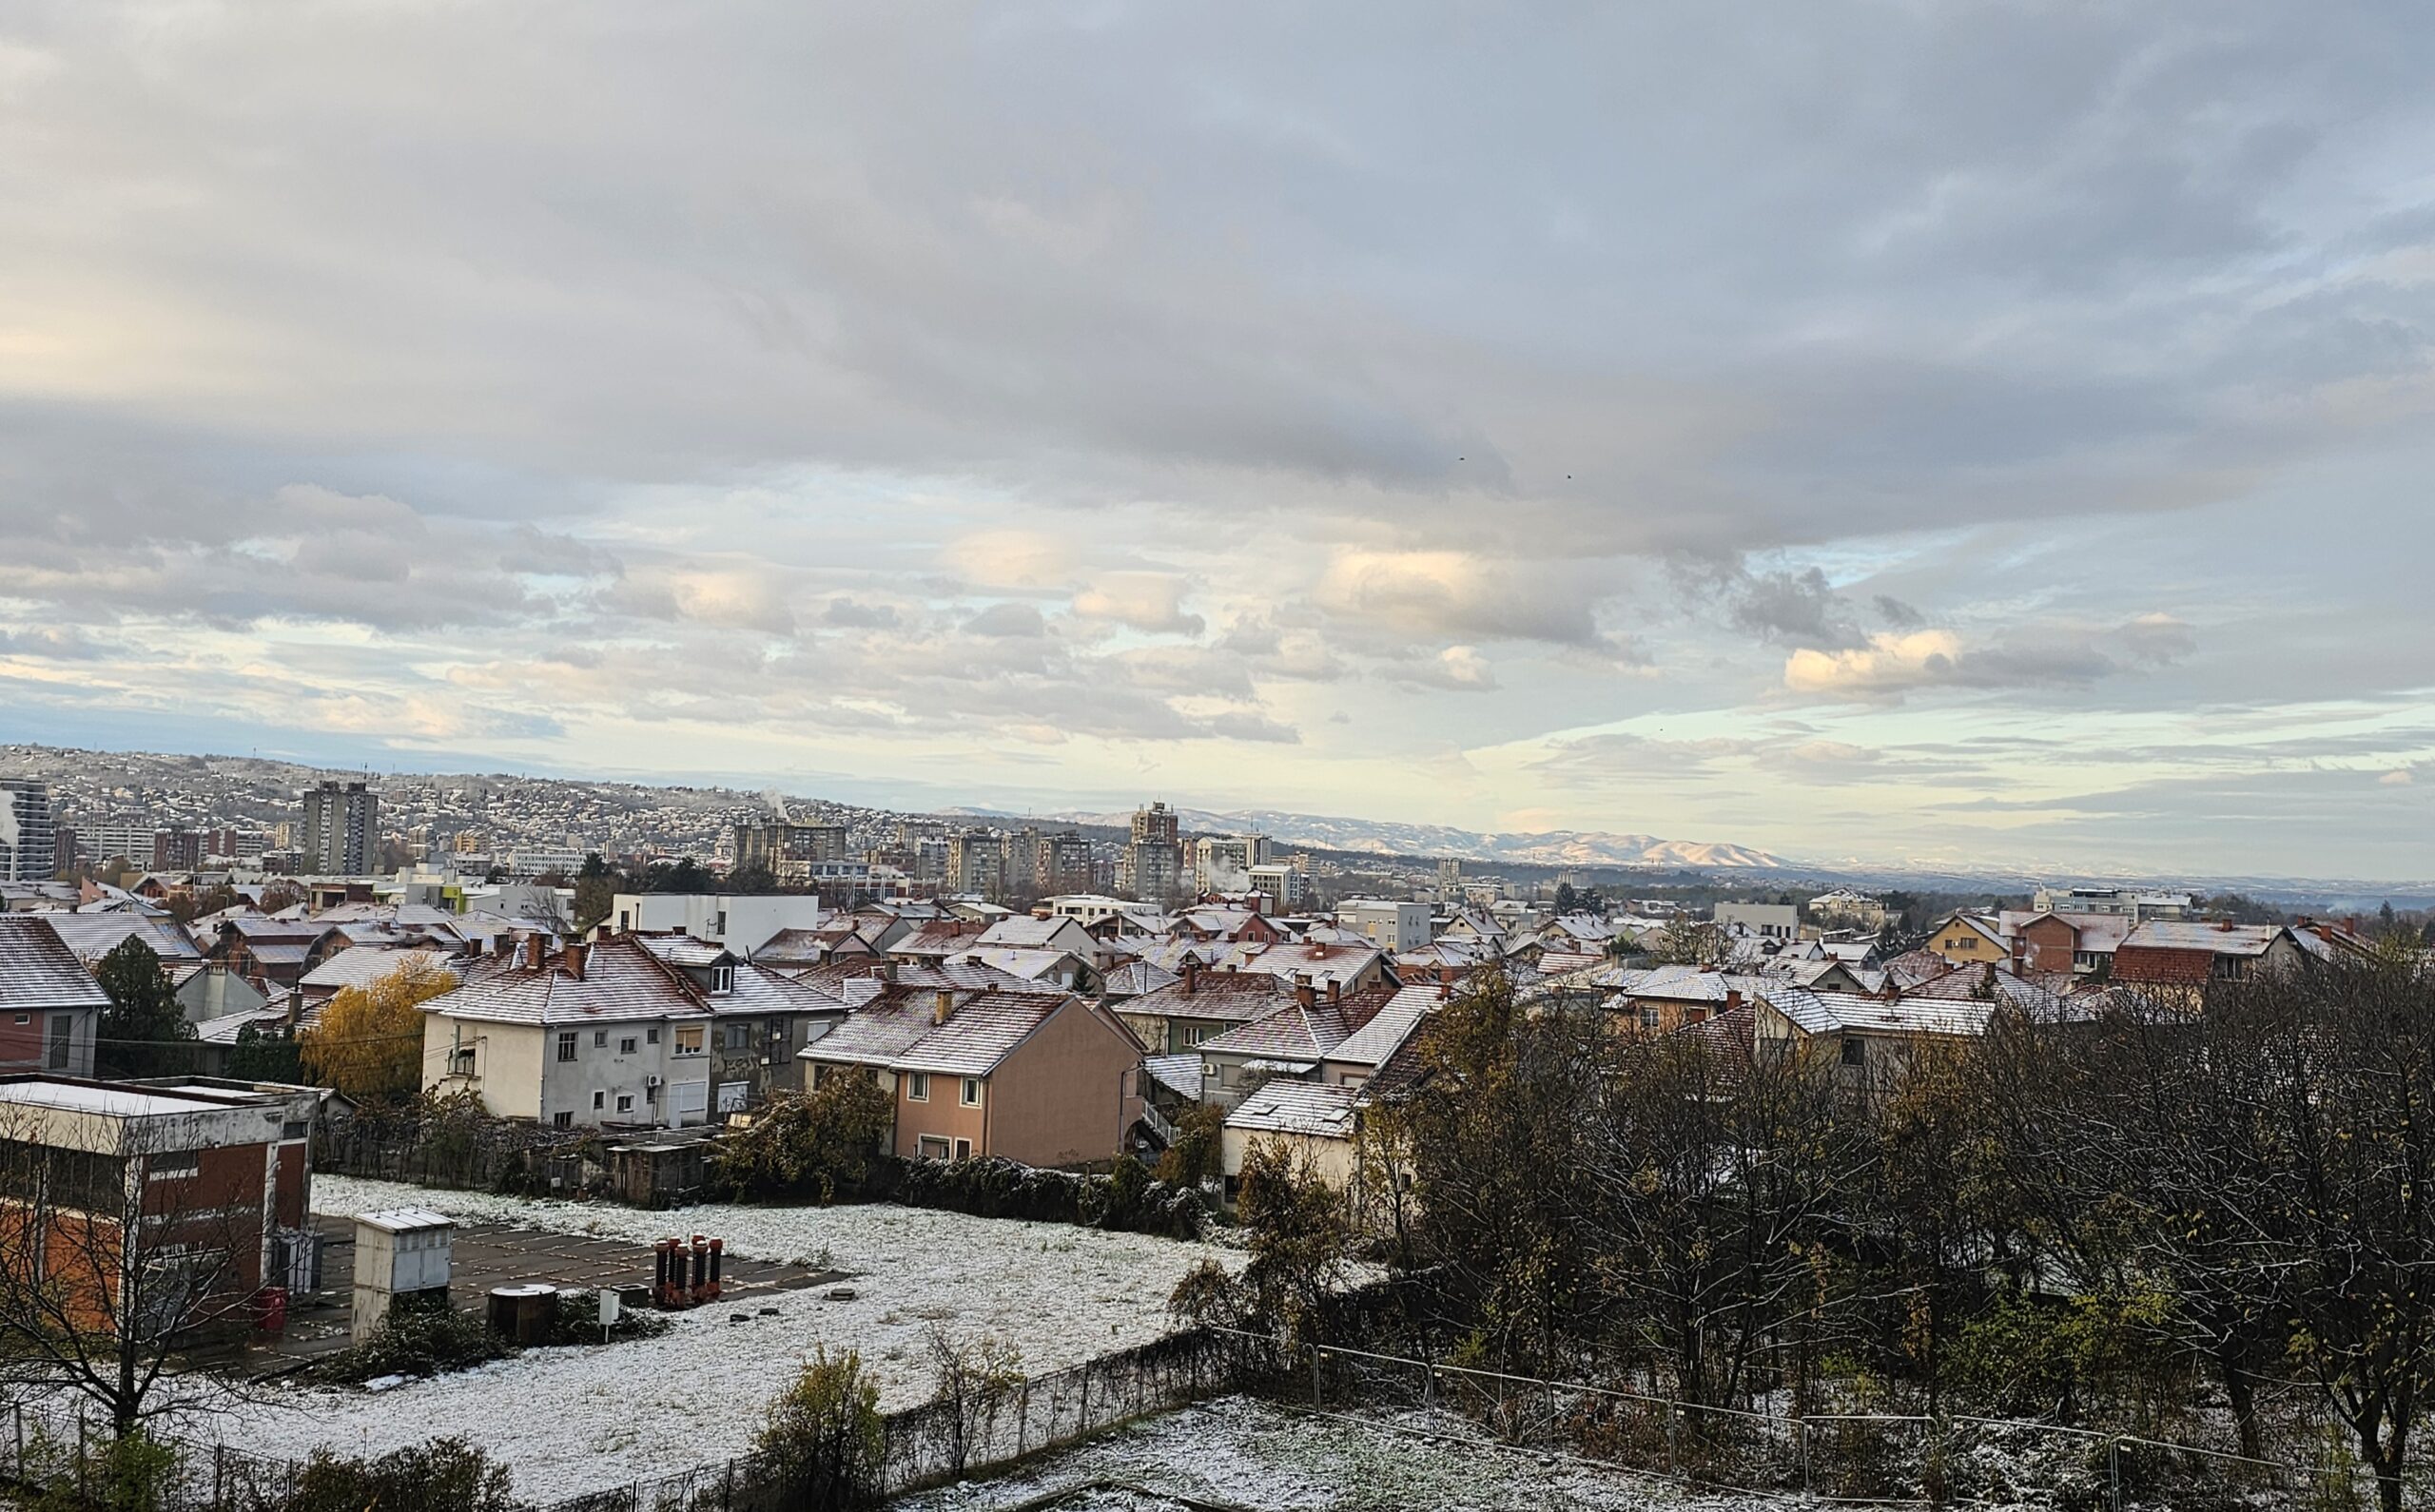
1373 1042
1313 1110
362 965
1222 996
37 970
1300 1034
2218 939
937 937
621 980
93 936
1023 932
900 1031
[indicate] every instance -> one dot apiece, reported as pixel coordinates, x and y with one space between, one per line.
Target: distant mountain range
1554 847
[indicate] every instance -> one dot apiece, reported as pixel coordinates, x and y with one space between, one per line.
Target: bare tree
112 1260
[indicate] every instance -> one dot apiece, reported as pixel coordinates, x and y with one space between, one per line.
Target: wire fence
1835 1458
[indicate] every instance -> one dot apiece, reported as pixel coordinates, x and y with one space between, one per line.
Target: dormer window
722 981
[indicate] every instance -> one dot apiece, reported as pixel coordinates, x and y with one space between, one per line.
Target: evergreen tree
144 1033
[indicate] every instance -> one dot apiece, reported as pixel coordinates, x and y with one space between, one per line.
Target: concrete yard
492 1253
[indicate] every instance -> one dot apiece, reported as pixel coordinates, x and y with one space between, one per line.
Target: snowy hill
1555 847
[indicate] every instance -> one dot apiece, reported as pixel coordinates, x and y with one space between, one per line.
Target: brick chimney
502 944
1732 999
601 932
942 1007
1304 993
1190 976
572 958
533 951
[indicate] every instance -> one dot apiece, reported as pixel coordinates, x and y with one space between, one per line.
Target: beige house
1045 1078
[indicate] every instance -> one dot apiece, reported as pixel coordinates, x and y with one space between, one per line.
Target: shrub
440 1475
823 1445
423 1340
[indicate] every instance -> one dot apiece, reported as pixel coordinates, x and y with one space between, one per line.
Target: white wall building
1389 925
741 921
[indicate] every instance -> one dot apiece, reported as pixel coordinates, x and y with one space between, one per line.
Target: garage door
688 1102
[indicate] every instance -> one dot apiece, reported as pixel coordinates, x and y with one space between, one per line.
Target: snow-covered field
1237 1452
580 1418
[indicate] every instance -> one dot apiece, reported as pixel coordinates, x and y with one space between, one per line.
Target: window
930 1146
689 1039
626 1046
294 1128
63 1033
722 979
566 1045
562 1120
964 1150
600 1100
600 1039
819 1077
739 1036
625 1102
1648 1017
1855 1052
25 1018
651 1036
972 1092
917 1086
175 1167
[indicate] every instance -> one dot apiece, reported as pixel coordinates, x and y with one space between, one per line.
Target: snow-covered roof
1374 1041
38 971
1313 1110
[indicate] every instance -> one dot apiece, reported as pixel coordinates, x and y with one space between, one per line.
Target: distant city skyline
1994 436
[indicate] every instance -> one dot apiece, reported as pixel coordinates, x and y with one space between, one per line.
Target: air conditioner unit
651 1081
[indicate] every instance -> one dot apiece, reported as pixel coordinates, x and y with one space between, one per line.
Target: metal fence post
2113 1471
1801 1449
1673 1421
1314 1375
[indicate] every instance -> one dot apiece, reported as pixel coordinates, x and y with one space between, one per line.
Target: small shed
400 1253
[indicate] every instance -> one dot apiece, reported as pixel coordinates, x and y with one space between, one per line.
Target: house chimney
1732 999
601 932
572 959
1190 976
501 943
533 951
1334 986
942 1007
1304 993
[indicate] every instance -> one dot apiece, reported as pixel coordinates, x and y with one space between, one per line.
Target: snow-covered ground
1237 1452
579 1419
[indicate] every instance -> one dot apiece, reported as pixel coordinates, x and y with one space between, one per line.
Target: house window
964 1150
689 1039
175 1167
600 1100
1649 1018
62 1031
722 979
739 1036
972 1092
626 1046
25 1018
651 1036
1855 1052
625 1102
930 1148
566 1045
917 1086
562 1120
600 1039
819 1077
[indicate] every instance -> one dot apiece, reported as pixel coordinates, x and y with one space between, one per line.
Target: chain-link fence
1846 1458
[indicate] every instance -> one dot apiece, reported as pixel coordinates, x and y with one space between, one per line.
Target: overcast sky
1976 432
